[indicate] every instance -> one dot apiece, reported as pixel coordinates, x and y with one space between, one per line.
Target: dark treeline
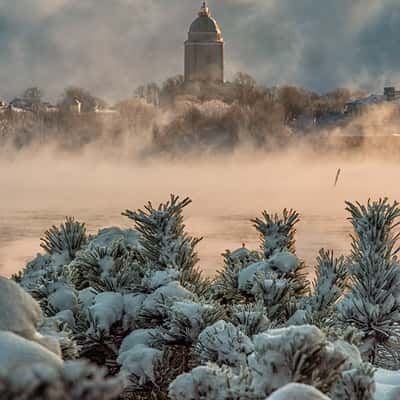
171 117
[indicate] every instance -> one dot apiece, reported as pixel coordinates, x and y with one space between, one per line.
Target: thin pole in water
337 176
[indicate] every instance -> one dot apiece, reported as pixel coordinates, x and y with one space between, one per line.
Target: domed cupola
204 49
205 27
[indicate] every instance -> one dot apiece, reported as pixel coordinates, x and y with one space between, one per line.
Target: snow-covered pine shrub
373 302
226 285
328 285
125 276
109 237
36 268
169 344
95 263
138 306
42 269
296 354
186 320
30 363
250 318
55 298
154 309
60 327
165 243
110 268
261 365
223 344
355 384
164 370
278 296
75 380
100 330
65 240
213 382
275 277
55 292
277 233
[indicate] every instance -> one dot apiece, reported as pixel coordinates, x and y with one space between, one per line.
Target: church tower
204 49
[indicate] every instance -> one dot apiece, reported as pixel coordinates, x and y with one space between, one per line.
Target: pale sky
112 46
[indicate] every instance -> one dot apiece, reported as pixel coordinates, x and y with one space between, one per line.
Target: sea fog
39 188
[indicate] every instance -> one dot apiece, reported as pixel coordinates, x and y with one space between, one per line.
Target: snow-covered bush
251 319
373 302
165 244
135 303
187 320
295 354
357 383
275 278
94 264
329 284
30 363
75 380
65 240
223 344
226 285
278 295
212 382
277 233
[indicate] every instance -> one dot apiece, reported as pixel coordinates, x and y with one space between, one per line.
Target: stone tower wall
204 61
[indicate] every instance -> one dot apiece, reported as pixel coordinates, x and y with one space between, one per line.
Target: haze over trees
173 116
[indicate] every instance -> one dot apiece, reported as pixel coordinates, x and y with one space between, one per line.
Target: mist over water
39 189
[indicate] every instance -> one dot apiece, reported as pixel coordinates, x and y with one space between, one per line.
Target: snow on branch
68 238
277 233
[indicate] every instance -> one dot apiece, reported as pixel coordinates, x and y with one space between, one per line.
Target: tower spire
204 11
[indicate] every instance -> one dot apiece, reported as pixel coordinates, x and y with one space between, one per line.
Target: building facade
204 49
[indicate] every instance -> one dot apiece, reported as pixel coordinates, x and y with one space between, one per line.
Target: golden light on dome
204 11
204 49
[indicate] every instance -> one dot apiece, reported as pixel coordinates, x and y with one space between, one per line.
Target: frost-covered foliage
357 383
212 382
164 242
251 319
277 234
186 320
274 278
75 380
329 284
224 344
373 302
30 364
134 303
296 354
273 358
105 268
226 285
67 239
